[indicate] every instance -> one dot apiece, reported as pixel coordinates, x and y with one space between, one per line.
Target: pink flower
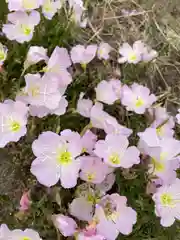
25 201
23 5
137 98
35 54
108 182
50 8
167 203
88 141
103 51
84 106
93 170
43 91
138 52
57 158
13 121
21 26
102 120
113 216
57 66
115 151
108 91
131 54
83 55
66 225
163 122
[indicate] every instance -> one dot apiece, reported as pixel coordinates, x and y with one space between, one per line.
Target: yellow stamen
132 57
166 199
15 126
114 158
139 102
64 158
158 166
90 176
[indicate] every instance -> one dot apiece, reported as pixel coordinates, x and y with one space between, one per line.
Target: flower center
25 238
160 131
29 4
15 126
166 199
2 55
90 176
34 91
64 158
163 156
114 158
26 30
48 6
139 102
132 57
159 166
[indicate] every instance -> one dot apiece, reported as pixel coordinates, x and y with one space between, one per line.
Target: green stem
87 127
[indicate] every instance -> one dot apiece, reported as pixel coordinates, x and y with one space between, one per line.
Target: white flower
21 26
56 159
13 120
137 98
50 8
84 106
23 5
35 55
167 203
27 234
103 51
108 91
43 91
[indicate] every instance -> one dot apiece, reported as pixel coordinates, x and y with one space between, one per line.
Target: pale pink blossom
35 54
23 5
108 91
78 12
43 91
88 141
102 120
164 170
163 122
21 26
4 232
26 234
114 216
103 50
66 225
82 208
137 98
57 66
115 151
13 121
108 182
56 159
83 55
50 8
167 203
138 52
84 106
131 54
93 170
25 201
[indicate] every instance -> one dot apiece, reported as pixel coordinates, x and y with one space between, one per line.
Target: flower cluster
24 16
88 160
